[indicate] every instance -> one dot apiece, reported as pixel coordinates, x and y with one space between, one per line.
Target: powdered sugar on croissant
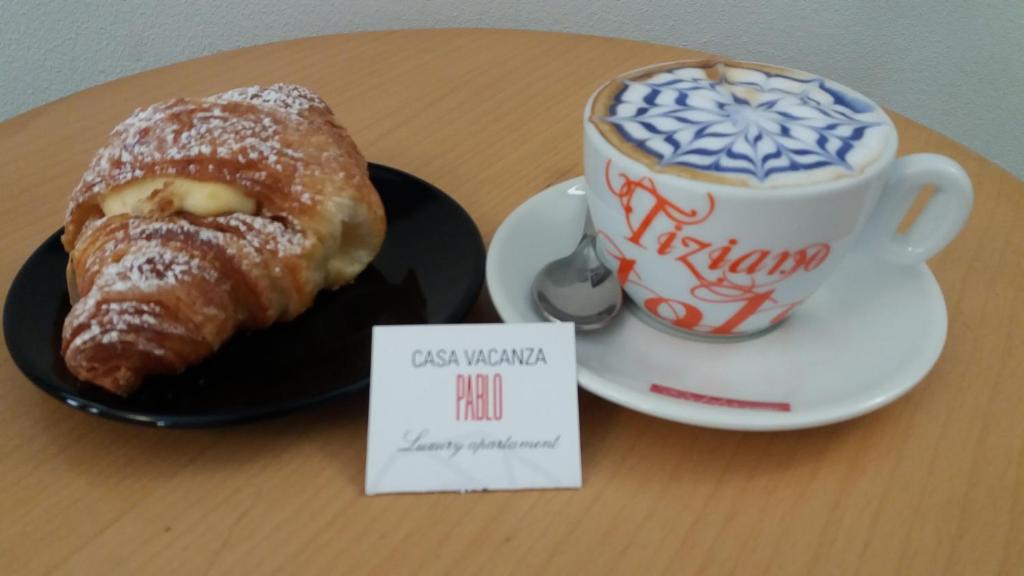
203 216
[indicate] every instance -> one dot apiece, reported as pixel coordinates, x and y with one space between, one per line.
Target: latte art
742 124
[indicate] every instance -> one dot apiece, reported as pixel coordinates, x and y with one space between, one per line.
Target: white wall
956 66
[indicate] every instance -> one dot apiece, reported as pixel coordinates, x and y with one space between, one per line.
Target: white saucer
863 340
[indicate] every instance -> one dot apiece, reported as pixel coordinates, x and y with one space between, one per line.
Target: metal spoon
578 288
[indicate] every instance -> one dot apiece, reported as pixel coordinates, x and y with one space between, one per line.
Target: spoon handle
588 224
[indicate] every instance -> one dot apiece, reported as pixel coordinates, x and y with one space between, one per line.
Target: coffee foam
742 124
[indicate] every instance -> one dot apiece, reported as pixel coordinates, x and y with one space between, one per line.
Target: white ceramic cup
725 193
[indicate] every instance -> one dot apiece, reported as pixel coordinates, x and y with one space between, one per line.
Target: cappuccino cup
724 192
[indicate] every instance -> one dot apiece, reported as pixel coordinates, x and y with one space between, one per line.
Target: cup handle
939 221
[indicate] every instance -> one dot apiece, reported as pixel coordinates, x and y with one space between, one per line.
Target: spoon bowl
578 288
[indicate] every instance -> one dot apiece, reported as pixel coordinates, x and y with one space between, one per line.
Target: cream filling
174 194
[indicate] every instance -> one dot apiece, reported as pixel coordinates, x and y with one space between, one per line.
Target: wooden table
933 484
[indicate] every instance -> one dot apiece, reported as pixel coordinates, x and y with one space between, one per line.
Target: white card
473 407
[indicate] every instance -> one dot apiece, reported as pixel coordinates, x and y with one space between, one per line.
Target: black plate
429 270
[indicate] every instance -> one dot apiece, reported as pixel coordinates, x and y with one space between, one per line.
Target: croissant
201 217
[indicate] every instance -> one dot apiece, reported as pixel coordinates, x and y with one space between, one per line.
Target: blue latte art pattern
745 121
